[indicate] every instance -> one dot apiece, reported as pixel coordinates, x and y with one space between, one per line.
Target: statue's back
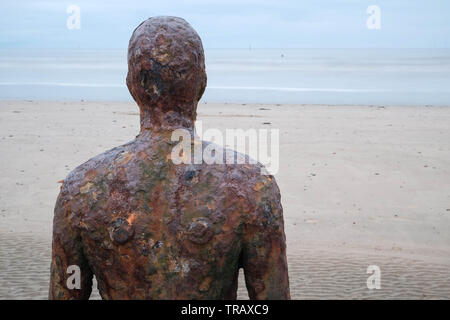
155 230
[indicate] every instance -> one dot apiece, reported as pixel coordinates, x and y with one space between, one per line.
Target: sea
295 76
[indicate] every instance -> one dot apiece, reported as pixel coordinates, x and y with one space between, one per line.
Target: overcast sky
231 23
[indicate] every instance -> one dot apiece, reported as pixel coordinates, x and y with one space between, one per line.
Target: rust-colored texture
151 229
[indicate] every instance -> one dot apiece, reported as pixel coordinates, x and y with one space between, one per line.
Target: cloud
231 23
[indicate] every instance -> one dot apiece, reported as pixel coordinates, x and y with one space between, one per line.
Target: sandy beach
360 186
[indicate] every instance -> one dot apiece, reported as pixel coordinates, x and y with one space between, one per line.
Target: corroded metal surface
150 229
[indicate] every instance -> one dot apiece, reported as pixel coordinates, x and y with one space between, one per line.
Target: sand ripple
25 261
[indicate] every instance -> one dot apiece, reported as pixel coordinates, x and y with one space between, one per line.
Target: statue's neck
156 119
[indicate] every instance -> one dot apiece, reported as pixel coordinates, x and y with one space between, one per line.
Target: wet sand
360 185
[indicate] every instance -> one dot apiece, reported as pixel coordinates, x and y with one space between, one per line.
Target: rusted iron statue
148 228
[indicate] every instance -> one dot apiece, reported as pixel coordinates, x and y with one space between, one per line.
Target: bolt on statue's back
148 228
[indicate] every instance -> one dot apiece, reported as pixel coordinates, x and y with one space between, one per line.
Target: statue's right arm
68 260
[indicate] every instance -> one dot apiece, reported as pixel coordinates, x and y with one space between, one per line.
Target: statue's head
166 69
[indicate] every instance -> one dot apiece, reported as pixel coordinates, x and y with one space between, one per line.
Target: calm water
332 76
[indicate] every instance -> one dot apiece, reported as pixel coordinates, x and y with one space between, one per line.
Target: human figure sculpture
148 228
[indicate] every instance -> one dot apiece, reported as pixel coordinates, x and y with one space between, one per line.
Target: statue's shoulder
257 196
265 210
256 190
253 178
242 172
93 172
